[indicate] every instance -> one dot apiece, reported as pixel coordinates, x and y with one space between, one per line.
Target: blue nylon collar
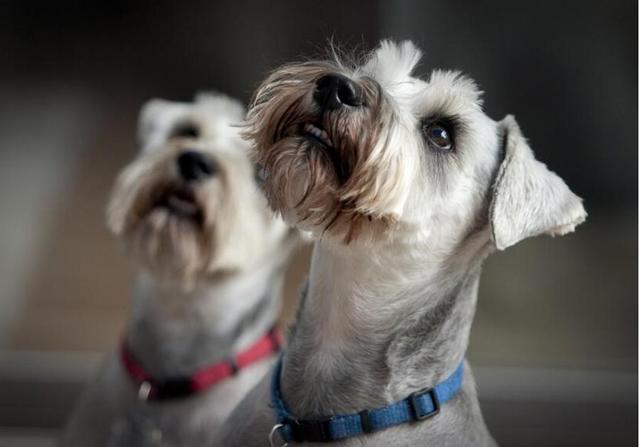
420 405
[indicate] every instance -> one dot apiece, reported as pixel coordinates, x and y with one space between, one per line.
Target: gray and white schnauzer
406 186
190 214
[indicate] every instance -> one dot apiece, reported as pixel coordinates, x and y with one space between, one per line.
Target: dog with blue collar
420 405
406 186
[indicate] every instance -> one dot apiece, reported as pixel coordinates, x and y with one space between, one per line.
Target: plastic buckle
318 430
365 421
173 389
415 405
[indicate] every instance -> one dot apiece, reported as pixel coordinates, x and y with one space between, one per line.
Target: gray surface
27 438
568 302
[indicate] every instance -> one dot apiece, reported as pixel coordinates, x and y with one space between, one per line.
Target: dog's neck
374 327
175 331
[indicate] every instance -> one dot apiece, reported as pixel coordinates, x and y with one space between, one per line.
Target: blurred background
554 344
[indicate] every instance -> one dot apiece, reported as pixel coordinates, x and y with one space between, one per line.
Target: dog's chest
191 421
169 424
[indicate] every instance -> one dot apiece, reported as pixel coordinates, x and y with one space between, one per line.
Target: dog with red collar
211 255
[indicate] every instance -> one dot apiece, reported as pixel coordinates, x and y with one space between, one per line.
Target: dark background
555 340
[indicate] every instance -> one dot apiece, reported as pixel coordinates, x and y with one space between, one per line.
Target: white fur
219 115
389 315
551 207
180 324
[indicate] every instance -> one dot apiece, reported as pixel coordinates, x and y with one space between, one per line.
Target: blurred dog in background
211 256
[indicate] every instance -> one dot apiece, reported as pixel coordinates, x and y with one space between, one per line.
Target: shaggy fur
211 256
401 227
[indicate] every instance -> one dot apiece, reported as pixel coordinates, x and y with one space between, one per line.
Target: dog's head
366 152
188 206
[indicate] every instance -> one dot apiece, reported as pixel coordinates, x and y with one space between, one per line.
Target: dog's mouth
181 202
320 139
316 134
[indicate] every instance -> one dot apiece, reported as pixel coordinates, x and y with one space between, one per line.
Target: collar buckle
174 389
145 390
318 430
414 403
276 430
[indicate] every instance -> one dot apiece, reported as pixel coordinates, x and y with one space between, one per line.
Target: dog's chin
315 139
303 182
180 204
172 239
300 178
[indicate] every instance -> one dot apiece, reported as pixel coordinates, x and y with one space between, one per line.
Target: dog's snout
334 91
194 165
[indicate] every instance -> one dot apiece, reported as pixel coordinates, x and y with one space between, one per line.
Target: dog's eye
186 130
438 135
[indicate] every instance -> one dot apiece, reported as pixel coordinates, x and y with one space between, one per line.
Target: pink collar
180 387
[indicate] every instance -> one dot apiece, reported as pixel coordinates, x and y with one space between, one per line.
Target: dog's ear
151 126
528 199
393 62
224 108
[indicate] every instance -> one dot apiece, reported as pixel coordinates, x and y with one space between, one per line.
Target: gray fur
206 290
419 346
110 413
390 314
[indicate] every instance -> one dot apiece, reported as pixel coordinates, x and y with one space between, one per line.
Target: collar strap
181 387
418 406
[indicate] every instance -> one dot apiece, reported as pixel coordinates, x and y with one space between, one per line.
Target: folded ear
529 199
157 120
148 119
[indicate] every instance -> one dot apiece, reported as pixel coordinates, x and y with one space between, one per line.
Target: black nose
334 91
194 166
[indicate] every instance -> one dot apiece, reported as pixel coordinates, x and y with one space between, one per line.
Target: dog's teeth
320 134
325 137
182 206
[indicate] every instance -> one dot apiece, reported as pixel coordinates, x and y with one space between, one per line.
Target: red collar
151 389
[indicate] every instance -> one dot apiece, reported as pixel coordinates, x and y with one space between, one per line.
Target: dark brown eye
186 130
438 135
